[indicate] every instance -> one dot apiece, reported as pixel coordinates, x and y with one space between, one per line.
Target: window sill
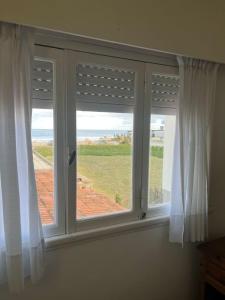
91 235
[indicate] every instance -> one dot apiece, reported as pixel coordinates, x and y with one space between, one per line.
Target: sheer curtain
189 207
21 242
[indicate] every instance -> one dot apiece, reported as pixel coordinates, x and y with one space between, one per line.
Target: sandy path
40 164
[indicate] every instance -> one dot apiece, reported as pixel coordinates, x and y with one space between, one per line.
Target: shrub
118 198
157 151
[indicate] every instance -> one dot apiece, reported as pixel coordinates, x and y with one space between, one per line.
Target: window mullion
138 140
60 142
71 144
145 141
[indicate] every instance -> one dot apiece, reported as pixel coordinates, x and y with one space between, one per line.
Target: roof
90 202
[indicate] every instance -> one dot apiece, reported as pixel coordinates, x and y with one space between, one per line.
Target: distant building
157 130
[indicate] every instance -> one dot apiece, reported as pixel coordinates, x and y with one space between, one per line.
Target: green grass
157 151
155 175
108 168
110 175
99 150
112 150
105 150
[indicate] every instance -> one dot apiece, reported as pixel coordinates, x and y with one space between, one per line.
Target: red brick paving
89 201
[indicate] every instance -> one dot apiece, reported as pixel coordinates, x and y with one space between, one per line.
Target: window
43 138
162 133
103 133
162 90
43 156
47 138
104 163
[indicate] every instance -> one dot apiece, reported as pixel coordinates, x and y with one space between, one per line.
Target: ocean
47 134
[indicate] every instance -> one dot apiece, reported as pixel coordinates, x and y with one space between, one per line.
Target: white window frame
64 60
55 56
74 58
160 209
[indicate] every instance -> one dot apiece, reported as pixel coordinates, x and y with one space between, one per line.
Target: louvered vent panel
42 80
104 85
164 90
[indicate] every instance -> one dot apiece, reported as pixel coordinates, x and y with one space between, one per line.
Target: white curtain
189 207
21 242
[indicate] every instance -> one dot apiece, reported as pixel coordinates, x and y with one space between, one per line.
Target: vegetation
98 150
157 151
105 150
110 175
155 175
45 150
108 168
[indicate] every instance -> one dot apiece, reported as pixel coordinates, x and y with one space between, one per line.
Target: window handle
143 215
72 157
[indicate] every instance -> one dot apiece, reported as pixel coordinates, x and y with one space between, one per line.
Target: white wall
189 27
139 265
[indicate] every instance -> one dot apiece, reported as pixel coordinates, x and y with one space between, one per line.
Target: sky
43 119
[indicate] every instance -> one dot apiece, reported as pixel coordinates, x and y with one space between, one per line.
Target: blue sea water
47 134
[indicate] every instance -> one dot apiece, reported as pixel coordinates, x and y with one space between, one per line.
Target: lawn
108 168
155 175
104 150
110 175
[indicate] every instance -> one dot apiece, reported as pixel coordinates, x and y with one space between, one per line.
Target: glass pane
162 133
104 163
43 156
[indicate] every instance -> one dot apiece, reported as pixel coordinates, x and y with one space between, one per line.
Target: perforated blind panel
42 81
164 90
104 84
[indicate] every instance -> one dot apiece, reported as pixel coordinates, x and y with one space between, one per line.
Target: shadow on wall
217 184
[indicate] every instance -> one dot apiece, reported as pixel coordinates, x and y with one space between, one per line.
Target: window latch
143 215
72 157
